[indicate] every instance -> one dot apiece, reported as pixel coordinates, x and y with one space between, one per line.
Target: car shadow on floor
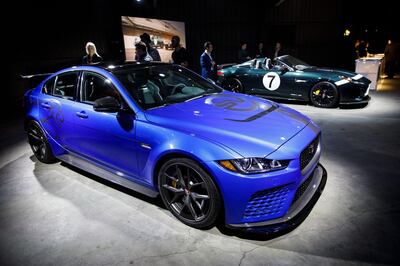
155 201
219 225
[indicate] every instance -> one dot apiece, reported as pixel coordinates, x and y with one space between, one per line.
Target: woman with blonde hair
91 56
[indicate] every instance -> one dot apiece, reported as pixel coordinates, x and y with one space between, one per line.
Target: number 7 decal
271 81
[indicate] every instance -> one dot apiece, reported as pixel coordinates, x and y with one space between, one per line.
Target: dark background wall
46 36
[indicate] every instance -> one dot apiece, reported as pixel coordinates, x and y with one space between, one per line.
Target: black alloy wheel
189 193
233 85
324 94
38 142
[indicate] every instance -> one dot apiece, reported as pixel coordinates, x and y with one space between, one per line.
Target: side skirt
279 98
96 169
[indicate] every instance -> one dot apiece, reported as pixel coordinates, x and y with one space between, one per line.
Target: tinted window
48 86
95 86
160 85
66 85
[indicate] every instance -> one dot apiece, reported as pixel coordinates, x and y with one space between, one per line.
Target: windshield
293 62
156 86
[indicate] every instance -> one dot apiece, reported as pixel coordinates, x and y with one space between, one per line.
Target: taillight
220 73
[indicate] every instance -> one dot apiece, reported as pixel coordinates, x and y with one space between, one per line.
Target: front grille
308 153
266 202
303 187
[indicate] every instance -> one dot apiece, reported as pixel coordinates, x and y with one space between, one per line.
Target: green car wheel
324 94
233 85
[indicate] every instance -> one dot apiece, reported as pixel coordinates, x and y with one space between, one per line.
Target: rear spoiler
222 66
35 75
31 81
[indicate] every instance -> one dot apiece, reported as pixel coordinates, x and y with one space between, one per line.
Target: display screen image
160 31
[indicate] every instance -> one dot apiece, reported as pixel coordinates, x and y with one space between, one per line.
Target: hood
332 73
251 126
335 75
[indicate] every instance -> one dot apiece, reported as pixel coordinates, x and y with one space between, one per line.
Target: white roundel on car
271 81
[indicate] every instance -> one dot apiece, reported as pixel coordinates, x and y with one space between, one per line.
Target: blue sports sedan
161 129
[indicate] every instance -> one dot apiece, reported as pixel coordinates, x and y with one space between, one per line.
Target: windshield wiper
200 96
162 105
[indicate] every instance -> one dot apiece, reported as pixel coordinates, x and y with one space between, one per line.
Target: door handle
45 105
82 114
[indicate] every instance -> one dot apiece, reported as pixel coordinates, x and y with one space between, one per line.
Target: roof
113 66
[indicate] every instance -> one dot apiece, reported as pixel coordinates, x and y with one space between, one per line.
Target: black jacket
242 56
86 60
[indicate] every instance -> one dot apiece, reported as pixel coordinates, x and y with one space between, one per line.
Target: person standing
179 55
260 50
91 56
278 50
243 55
357 49
207 63
141 53
390 59
362 48
150 49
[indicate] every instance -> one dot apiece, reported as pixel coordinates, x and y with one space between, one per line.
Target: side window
95 86
48 86
66 85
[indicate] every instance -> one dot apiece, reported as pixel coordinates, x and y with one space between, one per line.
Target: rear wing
44 75
31 81
222 66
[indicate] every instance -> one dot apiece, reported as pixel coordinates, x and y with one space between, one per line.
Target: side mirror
107 104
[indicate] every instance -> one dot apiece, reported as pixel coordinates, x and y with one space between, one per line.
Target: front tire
324 94
189 193
39 144
233 85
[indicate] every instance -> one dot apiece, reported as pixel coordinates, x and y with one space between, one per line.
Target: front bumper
359 100
355 93
297 212
251 200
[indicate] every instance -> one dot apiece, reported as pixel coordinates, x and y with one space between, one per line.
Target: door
58 97
296 85
265 82
291 82
106 138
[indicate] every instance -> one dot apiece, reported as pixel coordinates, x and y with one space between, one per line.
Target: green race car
287 77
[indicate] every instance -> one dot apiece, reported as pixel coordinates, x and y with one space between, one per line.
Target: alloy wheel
324 94
185 192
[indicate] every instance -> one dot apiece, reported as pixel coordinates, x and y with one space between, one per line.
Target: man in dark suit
206 62
243 55
179 55
278 50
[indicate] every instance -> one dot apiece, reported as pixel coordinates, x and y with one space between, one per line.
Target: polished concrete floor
57 215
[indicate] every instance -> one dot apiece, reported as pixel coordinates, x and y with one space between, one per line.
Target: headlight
254 165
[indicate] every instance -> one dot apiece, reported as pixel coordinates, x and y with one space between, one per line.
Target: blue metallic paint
129 145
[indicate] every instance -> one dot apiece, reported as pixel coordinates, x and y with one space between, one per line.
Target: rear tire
324 94
189 193
39 144
233 85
